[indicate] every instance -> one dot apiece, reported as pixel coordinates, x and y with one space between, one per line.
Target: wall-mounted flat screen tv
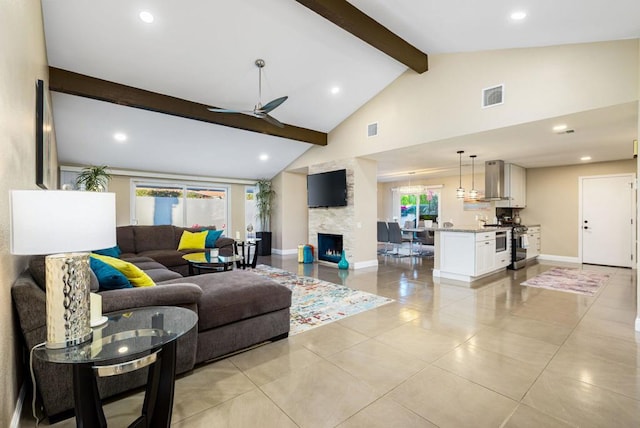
327 189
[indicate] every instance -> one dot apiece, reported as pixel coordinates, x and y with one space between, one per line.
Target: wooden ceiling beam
69 82
352 20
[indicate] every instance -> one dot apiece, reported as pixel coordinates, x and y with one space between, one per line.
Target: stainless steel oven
501 241
518 248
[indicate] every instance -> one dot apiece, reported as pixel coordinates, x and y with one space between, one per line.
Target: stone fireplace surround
334 220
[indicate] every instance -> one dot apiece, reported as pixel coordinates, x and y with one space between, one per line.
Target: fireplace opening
329 247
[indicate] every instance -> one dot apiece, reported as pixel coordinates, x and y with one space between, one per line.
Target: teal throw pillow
109 278
212 237
111 252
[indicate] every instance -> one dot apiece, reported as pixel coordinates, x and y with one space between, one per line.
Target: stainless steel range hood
494 180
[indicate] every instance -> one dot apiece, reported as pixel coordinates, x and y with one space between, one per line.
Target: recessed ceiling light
264 157
120 137
335 90
559 128
146 17
519 15
585 158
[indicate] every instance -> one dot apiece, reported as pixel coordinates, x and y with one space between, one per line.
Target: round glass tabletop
126 335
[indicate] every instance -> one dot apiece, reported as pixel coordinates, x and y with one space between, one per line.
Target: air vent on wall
372 129
493 96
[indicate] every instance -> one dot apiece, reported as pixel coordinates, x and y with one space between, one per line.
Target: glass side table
130 340
205 262
246 259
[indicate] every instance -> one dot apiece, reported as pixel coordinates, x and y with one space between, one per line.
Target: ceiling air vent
493 96
372 129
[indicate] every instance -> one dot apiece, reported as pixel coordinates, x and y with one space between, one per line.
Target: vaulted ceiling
202 52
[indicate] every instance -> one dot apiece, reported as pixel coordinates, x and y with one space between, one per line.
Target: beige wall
290 213
365 204
445 101
23 62
552 201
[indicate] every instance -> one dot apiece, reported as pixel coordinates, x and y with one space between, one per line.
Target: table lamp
60 221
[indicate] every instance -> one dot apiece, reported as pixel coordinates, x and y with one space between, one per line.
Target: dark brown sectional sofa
236 309
161 244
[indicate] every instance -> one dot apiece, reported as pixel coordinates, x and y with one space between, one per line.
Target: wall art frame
45 140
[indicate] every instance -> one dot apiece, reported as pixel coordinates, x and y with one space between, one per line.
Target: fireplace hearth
329 247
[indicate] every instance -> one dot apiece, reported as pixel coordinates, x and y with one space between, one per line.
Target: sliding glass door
179 204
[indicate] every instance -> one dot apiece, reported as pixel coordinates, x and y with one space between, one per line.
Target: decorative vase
343 263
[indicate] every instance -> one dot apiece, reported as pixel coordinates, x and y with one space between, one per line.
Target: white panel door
607 220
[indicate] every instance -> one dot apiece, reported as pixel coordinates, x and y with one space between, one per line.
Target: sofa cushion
126 239
111 252
192 240
232 296
177 232
109 278
212 237
134 274
168 258
150 238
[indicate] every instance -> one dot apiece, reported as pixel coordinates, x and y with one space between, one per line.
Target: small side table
247 259
130 340
203 261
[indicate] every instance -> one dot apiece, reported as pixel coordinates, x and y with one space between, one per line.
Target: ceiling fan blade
224 110
272 120
273 104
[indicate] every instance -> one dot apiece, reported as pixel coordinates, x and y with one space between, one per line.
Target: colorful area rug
315 302
569 280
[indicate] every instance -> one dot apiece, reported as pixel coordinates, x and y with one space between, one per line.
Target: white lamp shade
60 221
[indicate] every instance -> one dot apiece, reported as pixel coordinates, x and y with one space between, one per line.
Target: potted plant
93 178
264 205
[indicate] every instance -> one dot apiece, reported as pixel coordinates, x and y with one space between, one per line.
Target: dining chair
383 236
395 238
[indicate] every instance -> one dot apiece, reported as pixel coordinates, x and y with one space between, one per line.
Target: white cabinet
485 254
457 253
515 187
464 255
533 236
503 258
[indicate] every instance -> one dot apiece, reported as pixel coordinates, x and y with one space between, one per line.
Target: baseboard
365 264
563 259
284 252
17 412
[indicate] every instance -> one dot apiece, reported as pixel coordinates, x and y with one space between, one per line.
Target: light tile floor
496 354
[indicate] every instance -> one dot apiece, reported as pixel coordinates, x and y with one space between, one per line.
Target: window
180 204
423 205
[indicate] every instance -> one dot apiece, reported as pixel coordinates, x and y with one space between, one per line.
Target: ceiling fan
260 111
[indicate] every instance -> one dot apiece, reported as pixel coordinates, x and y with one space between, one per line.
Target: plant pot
264 245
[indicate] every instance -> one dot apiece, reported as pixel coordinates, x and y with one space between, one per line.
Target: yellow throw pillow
136 276
192 240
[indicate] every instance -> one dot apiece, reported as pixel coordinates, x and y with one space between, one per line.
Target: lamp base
68 303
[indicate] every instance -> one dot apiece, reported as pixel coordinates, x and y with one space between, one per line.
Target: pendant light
473 193
460 189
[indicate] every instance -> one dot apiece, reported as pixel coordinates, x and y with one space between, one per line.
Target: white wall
444 102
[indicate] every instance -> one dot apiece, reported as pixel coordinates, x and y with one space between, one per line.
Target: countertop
467 229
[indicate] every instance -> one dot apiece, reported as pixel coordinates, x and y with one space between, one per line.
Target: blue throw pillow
212 237
109 277
111 252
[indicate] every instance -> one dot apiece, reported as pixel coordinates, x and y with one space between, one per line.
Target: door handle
586 227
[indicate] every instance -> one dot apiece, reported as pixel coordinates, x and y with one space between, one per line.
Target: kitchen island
467 253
